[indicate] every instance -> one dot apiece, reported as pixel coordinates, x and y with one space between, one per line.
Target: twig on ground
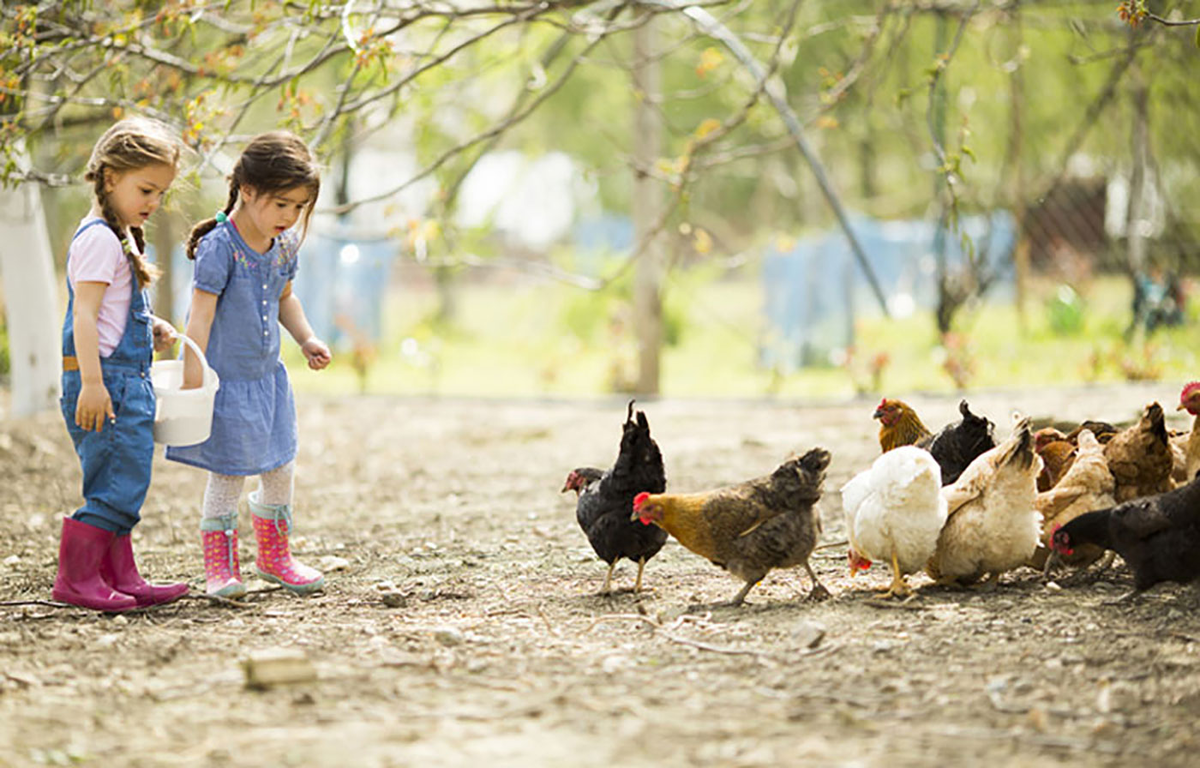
50 603
549 624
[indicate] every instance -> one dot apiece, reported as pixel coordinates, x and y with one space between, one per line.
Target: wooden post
30 300
647 207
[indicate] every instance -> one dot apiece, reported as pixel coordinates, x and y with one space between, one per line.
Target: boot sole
71 598
299 589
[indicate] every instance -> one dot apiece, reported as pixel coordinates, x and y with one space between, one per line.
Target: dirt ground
461 622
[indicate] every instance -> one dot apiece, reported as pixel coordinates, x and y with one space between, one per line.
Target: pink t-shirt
96 257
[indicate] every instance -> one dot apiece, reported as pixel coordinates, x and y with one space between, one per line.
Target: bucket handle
206 371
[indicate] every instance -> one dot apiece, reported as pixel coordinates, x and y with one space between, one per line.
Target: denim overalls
117 460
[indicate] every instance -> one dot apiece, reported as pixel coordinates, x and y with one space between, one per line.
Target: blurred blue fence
342 284
814 289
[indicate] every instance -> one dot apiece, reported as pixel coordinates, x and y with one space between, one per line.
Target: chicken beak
1180 407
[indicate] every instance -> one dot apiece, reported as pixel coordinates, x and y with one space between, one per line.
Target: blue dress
254 417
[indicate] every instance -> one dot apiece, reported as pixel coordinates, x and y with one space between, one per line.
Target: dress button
264 286
266 333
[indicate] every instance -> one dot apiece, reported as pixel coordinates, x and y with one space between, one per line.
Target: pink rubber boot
79 581
222 570
272 525
118 568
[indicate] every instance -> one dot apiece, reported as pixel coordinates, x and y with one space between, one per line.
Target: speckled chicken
750 528
1140 457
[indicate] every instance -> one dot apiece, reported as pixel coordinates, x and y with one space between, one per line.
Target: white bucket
184 416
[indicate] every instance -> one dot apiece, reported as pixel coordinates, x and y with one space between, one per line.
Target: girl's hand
317 354
94 407
164 335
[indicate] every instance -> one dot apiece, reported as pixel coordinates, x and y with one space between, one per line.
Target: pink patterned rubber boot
222 571
118 568
272 525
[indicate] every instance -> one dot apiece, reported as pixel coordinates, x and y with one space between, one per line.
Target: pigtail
143 270
208 225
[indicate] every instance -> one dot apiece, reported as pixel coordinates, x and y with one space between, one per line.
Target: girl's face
272 213
135 194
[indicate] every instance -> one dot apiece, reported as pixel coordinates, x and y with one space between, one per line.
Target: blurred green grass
550 339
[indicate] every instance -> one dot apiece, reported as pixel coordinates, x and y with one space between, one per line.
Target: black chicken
1159 536
959 443
605 499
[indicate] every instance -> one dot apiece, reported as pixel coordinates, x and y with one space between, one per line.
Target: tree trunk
1017 173
165 237
647 207
30 299
1135 229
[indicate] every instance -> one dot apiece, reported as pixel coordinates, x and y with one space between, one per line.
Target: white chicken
992 525
894 512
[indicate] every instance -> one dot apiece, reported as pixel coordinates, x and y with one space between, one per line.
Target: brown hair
130 144
271 162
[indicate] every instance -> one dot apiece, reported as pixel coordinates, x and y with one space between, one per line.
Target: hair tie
221 217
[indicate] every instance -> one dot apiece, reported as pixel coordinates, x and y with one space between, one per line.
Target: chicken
1140 457
1057 454
1187 463
898 425
958 443
992 526
604 498
1087 486
1102 430
1158 536
894 512
750 528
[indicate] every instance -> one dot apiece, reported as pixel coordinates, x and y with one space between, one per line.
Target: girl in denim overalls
108 340
245 263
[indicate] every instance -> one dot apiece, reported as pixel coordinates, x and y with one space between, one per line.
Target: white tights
223 491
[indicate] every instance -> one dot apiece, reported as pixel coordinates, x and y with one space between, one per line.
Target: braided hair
128 145
271 162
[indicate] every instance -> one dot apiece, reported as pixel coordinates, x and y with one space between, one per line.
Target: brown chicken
899 425
1140 457
750 528
1057 454
1086 486
1187 460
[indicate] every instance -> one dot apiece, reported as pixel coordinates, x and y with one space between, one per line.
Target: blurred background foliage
1060 112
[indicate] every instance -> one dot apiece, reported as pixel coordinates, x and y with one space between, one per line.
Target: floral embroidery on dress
289 247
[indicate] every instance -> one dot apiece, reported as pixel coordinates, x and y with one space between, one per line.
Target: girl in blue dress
242 292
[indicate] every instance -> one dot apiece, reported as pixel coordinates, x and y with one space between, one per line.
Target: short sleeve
214 265
95 256
289 253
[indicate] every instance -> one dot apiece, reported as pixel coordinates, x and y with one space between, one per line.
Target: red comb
882 403
1188 389
640 499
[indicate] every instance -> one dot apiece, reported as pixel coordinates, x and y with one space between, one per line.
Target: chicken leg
818 592
607 588
637 585
740 597
899 587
